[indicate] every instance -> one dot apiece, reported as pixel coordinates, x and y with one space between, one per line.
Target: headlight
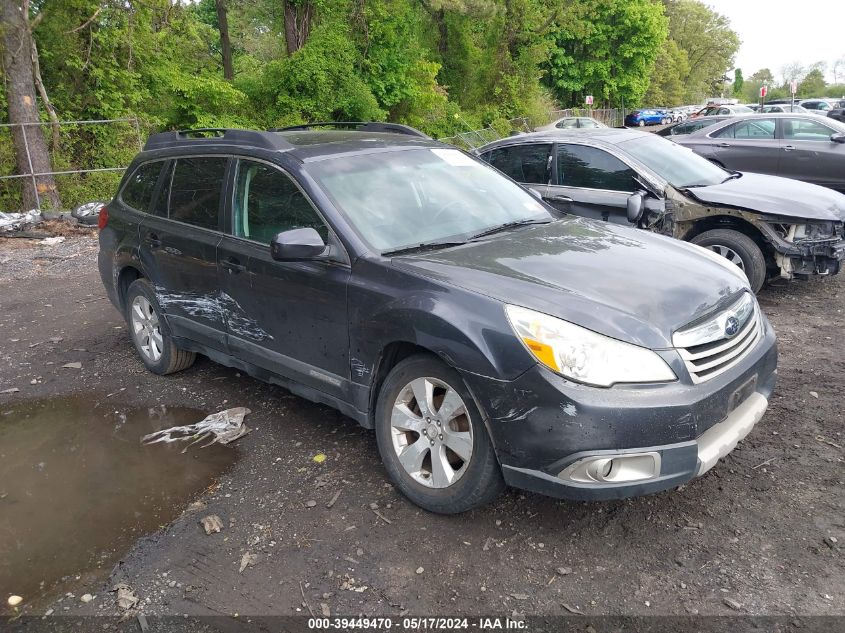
583 355
813 231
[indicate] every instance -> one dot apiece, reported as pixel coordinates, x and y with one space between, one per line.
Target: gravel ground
760 534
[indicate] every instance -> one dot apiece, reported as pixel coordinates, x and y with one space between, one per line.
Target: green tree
739 83
666 85
813 84
605 48
709 42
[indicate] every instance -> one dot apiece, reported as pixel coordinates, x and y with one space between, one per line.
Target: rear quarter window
138 190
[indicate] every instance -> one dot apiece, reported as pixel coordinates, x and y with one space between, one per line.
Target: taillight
103 218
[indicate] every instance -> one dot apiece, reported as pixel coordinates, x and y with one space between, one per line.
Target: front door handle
560 198
724 145
153 240
233 266
788 148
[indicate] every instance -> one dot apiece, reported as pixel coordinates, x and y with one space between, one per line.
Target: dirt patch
761 533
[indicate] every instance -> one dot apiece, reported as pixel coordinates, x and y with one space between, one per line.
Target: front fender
468 330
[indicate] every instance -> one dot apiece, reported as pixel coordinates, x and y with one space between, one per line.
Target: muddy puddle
77 488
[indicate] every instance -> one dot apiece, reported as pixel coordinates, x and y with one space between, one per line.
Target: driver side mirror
837 137
635 207
304 243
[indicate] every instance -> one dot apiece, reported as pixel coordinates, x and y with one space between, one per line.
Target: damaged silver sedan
768 226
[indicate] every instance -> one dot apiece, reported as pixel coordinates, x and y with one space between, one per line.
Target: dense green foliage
444 66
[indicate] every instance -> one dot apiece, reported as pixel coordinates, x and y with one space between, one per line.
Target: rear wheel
641 123
150 333
738 249
432 439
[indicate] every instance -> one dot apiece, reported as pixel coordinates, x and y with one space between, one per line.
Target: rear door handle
788 148
153 240
233 266
724 145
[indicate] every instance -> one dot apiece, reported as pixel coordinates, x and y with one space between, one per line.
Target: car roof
305 143
598 136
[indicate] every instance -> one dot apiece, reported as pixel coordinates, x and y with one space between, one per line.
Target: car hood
773 195
628 284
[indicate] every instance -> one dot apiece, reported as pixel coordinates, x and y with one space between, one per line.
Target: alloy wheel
431 432
146 328
728 253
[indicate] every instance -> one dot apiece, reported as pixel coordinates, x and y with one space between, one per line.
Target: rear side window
138 191
268 202
759 129
592 168
523 163
195 191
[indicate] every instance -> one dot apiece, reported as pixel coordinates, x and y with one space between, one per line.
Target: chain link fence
88 158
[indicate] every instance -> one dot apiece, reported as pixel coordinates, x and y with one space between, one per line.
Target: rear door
808 153
748 145
178 247
591 182
529 164
287 317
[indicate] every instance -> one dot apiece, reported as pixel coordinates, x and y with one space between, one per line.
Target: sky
775 33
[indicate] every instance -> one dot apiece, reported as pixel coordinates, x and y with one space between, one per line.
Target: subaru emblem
731 326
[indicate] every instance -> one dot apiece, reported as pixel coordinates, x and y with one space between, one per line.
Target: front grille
710 358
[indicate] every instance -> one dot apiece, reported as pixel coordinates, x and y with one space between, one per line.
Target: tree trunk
23 107
225 43
297 23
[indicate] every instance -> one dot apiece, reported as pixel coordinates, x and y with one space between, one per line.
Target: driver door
591 182
287 317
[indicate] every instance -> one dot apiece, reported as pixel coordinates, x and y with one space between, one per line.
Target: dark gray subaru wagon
487 338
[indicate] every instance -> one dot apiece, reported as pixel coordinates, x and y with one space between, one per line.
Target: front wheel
738 249
432 439
641 123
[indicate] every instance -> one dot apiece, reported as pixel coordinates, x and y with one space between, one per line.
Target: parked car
677 115
484 338
640 118
838 113
570 122
752 106
784 107
767 226
802 146
819 106
688 127
723 110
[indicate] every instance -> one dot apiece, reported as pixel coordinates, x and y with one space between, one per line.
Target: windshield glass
680 166
409 197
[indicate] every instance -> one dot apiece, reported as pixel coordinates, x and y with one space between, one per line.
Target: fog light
614 469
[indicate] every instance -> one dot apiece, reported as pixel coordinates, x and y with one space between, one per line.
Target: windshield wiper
507 226
423 246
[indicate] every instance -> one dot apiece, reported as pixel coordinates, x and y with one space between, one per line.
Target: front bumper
806 257
551 434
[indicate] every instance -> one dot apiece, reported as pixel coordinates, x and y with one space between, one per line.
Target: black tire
481 481
753 261
171 358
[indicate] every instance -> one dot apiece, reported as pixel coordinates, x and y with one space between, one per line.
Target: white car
572 122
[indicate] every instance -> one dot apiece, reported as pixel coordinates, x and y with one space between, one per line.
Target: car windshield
404 198
678 165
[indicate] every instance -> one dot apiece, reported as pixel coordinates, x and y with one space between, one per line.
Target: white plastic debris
222 427
17 221
14 601
52 241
